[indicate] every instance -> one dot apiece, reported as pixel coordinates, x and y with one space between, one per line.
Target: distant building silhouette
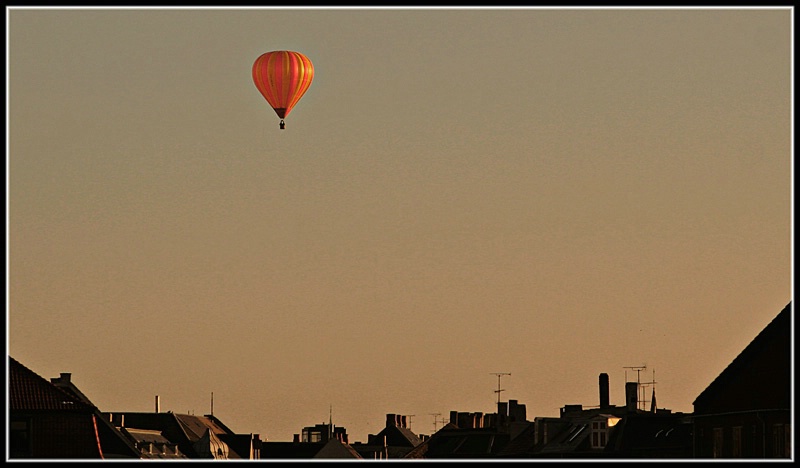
474 435
56 420
604 431
744 413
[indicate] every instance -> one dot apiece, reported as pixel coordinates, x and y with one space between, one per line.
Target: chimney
117 419
502 409
65 378
296 439
454 417
489 420
604 403
631 396
391 419
403 421
158 404
517 411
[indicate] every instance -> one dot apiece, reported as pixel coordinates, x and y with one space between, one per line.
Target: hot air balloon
282 77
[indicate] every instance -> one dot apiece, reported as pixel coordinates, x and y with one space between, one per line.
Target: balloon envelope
282 77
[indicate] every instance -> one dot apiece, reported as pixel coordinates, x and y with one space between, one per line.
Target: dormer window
599 434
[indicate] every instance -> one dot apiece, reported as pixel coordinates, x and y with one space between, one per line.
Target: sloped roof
399 436
573 438
159 446
147 435
186 429
195 427
640 435
335 448
421 450
210 446
777 331
29 391
522 444
27 386
453 442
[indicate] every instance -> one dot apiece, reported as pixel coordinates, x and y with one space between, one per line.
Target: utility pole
499 374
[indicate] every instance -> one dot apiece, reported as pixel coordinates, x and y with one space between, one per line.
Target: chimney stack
631 396
604 403
64 378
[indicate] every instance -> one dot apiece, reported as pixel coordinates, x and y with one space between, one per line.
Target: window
716 451
778 441
20 439
599 434
736 434
575 431
787 432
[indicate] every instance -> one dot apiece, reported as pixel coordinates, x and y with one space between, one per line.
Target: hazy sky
552 193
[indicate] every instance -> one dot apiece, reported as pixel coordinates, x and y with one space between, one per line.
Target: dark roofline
779 324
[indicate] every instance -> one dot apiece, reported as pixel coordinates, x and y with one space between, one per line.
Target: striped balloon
282 77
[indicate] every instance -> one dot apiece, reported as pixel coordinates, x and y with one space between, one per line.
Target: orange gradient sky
552 193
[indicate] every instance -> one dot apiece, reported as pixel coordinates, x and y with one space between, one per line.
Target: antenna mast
499 374
642 386
435 420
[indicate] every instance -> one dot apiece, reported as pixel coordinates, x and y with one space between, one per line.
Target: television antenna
641 386
499 375
435 420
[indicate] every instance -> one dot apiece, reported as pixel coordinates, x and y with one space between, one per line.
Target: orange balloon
282 77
